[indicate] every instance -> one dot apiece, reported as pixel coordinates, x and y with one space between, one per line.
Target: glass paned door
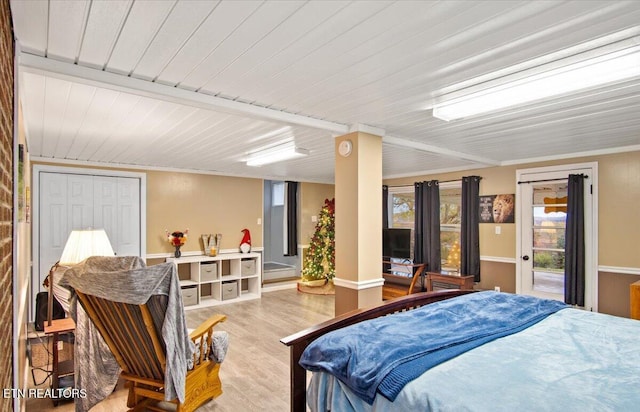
549 215
540 226
544 217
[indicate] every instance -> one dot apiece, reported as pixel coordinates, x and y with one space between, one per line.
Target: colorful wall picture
497 208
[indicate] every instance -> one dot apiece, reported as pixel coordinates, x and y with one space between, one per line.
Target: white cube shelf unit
227 277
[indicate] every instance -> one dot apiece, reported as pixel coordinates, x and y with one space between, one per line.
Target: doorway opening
277 266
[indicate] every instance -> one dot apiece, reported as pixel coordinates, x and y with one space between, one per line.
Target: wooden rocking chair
136 342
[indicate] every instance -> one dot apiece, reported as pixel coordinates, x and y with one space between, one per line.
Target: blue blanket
384 354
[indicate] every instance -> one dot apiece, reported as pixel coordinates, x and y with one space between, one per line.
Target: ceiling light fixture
549 80
275 154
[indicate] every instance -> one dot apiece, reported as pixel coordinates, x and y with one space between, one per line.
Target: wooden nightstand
635 300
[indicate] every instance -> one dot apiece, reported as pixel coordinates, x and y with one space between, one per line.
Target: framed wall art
497 208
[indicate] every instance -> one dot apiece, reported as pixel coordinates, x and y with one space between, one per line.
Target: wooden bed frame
299 341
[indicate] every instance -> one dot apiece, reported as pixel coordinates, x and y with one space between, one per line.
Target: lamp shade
84 243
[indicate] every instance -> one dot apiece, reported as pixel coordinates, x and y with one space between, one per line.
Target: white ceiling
197 85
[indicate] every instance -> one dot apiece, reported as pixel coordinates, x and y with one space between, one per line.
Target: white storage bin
208 271
229 290
190 295
248 267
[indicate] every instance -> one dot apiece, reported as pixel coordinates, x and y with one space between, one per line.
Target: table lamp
80 245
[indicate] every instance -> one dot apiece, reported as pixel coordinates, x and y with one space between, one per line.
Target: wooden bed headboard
299 341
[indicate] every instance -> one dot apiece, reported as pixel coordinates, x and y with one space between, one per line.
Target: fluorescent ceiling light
605 69
276 154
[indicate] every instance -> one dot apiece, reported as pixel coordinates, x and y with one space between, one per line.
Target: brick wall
6 202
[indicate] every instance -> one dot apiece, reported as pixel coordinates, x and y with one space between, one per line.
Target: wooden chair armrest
207 325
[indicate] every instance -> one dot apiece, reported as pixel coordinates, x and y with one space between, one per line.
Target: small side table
59 369
635 300
461 281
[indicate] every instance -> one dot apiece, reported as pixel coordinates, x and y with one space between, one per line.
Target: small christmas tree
320 260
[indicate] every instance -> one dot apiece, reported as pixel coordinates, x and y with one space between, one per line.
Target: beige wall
619 210
208 203
618 222
312 197
619 215
215 204
203 204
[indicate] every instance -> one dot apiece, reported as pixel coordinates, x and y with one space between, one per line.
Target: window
402 215
450 215
277 194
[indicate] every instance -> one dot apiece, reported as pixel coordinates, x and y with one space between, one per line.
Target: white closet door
105 207
66 204
70 201
53 223
80 202
117 210
129 219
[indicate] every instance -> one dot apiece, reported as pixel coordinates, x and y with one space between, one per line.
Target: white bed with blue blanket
482 351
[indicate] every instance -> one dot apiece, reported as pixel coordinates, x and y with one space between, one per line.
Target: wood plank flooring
255 373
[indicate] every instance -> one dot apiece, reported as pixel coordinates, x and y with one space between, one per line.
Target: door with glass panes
542 212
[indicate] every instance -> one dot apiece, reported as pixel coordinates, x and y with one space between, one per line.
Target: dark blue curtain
427 225
470 228
291 219
574 266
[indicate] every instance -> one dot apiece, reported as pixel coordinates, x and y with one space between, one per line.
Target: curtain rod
560 179
439 181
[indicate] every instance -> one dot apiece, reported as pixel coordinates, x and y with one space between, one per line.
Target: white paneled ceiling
197 85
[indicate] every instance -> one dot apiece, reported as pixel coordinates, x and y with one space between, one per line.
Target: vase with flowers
177 239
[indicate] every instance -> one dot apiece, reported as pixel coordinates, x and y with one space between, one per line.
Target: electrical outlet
497 288
498 230
60 345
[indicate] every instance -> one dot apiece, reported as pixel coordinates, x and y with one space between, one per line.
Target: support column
358 192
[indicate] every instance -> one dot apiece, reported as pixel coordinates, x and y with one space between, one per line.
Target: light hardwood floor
255 373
